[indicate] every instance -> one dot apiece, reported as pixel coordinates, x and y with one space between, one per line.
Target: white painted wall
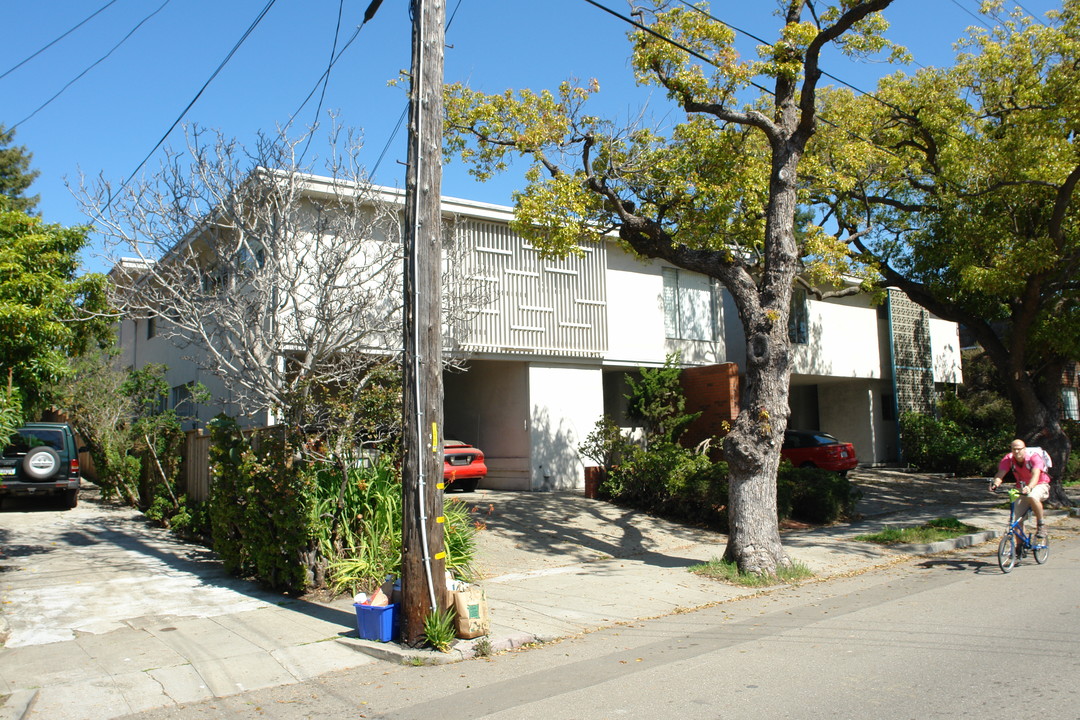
636 333
635 310
945 340
138 351
843 341
565 403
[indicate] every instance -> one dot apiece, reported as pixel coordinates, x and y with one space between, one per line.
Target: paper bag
471 607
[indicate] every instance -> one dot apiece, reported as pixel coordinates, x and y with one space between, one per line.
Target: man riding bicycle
1029 472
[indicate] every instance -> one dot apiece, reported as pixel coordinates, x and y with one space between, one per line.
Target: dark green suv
41 459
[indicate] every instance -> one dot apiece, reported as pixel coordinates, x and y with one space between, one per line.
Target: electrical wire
977 18
326 78
97 62
184 112
78 25
405 110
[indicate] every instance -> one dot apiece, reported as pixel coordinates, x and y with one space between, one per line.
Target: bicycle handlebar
1012 492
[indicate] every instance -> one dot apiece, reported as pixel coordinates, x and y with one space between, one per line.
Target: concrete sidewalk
558 564
153 622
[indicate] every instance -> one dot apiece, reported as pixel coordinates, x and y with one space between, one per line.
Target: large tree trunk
753 446
752 450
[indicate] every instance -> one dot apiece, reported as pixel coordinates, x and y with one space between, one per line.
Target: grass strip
940 529
727 571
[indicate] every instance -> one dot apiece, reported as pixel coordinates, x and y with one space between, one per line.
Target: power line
101 59
184 112
326 76
977 18
78 25
405 110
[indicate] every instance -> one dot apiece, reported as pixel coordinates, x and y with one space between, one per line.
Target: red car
813 448
463 466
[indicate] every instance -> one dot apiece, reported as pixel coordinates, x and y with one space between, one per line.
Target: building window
1069 403
151 327
181 401
799 318
689 306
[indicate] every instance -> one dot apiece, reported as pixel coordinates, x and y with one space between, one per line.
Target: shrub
673 481
1072 467
604 444
358 527
814 495
259 516
934 445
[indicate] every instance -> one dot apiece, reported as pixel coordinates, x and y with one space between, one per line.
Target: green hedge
676 483
934 445
814 495
259 507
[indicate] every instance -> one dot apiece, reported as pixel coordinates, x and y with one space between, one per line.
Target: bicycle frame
1015 542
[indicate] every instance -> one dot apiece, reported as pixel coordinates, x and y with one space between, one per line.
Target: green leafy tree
95 400
659 401
48 314
968 202
717 194
15 173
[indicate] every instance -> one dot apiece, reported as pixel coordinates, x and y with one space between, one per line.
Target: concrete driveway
108 615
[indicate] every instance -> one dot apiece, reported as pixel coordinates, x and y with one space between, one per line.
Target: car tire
71 499
41 462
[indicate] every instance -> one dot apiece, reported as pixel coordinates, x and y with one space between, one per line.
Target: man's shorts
1040 493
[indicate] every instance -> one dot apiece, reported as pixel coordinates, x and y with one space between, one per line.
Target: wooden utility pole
423 585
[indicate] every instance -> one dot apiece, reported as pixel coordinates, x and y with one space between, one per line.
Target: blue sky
109 120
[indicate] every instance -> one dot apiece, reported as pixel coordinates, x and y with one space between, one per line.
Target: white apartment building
548 354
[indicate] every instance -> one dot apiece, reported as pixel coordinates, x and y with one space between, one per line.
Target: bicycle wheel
1007 552
1041 552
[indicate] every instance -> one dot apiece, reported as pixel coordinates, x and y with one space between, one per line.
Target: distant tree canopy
48 314
965 199
15 173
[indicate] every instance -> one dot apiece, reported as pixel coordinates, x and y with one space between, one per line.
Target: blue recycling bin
376 622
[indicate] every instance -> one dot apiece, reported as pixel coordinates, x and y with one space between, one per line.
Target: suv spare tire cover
41 462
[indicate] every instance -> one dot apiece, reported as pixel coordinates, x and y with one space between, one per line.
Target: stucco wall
636 333
945 339
843 341
565 403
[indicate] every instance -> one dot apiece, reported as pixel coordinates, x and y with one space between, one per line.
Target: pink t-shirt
1022 472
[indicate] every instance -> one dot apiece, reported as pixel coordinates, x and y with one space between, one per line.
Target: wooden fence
197 465
197 476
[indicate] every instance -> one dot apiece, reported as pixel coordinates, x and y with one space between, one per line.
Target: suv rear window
24 440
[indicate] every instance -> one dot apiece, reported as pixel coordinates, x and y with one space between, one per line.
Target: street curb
459 651
945 545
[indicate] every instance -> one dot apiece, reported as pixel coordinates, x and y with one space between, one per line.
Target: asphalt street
946 636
